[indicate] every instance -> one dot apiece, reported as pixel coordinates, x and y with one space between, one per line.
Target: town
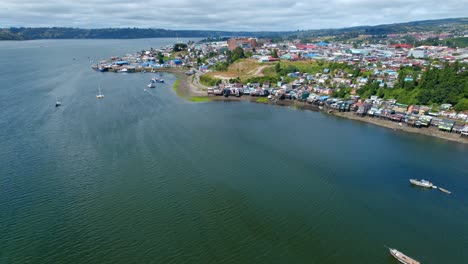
383 80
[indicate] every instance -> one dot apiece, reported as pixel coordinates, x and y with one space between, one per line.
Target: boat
444 190
151 85
402 257
422 183
57 102
100 95
157 80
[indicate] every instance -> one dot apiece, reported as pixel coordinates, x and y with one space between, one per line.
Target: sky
239 15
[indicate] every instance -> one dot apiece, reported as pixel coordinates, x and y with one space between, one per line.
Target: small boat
100 95
57 102
157 80
151 85
422 183
402 257
444 190
102 69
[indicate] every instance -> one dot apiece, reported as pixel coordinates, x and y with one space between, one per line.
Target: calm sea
146 177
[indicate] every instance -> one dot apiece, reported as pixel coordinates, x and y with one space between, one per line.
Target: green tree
237 53
160 57
277 67
274 53
462 105
381 92
180 47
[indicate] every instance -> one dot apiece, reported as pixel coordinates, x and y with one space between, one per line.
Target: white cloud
223 15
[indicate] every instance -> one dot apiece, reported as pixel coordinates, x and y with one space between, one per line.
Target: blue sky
237 15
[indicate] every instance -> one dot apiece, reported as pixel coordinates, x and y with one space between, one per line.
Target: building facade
245 43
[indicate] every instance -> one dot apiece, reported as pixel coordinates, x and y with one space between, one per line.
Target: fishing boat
100 95
402 257
57 102
422 183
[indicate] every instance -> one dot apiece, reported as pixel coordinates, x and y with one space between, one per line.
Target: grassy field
310 66
199 99
243 69
262 100
248 68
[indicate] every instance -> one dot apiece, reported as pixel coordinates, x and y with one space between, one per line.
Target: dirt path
259 71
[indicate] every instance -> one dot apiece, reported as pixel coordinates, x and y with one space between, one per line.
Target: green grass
263 100
175 87
199 99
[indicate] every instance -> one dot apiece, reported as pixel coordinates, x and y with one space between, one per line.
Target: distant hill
22 33
118 33
443 25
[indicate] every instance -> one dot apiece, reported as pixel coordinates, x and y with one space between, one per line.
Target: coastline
195 92
430 131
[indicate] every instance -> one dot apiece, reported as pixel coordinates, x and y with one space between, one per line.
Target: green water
147 177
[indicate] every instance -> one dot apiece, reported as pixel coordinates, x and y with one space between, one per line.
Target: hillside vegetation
24 33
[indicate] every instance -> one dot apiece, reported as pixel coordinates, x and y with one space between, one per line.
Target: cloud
222 15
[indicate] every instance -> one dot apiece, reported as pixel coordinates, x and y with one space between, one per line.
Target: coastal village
325 76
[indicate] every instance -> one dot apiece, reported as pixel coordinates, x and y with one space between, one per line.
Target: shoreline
430 131
189 90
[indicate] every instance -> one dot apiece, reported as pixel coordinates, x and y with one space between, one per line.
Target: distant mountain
22 33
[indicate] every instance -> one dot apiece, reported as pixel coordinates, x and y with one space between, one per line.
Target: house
418 54
464 131
425 120
175 62
245 43
446 125
458 127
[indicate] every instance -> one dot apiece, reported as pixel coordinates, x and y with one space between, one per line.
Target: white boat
157 80
100 95
422 183
57 102
151 85
402 257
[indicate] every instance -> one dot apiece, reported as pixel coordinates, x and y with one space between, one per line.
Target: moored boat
157 80
402 257
57 102
422 183
100 95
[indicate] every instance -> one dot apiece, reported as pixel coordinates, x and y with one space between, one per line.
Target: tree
380 92
462 105
274 53
237 53
180 47
277 67
160 58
